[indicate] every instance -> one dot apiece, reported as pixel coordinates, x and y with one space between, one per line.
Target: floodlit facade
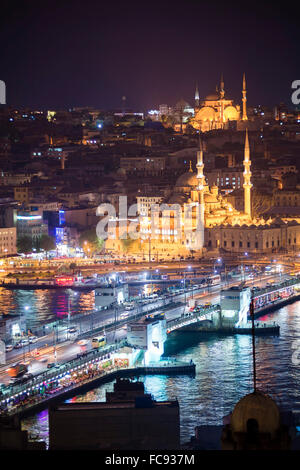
8 241
216 111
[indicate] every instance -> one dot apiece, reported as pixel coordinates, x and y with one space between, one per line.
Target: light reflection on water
223 374
44 305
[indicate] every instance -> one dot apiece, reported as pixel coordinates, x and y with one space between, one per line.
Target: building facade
8 241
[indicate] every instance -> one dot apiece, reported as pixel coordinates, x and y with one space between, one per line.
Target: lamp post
217 261
54 332
26 308
68 332
189 268
184 289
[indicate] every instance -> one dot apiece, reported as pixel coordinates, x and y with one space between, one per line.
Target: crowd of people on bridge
35 394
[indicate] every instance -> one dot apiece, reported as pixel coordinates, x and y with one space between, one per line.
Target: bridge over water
264 299
187 319
273 296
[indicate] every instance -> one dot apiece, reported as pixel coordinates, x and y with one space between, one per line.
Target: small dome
208 197
182 104
259 407
214 190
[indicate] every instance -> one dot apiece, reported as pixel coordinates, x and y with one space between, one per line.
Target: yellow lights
51 115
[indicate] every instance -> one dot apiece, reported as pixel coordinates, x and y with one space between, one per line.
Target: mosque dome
187 180
182 104
209 197
212 97
206 113
231 113
259 407
214 190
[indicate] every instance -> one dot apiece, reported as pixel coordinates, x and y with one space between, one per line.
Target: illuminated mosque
223 227
193 205
192 193
217 111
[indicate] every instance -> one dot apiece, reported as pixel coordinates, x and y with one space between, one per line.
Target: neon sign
64 281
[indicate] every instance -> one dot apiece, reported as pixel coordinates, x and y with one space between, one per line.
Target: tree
47 243
24 245
261 203
90 242
73 266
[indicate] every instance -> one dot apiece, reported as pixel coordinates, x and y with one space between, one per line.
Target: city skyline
149 228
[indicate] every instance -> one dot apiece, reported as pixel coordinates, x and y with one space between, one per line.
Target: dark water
43 306
223 374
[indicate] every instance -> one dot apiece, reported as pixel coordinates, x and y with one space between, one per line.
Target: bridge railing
275 287
193 316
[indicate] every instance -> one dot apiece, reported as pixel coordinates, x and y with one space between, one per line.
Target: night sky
88 52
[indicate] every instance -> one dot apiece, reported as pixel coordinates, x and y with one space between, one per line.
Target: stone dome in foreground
259 407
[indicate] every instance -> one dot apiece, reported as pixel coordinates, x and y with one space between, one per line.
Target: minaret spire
222 91
197 96
200 166
244 99
200 190
247 177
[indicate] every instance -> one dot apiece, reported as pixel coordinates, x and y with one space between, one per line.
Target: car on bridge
72 330
124 315
50 365
33 339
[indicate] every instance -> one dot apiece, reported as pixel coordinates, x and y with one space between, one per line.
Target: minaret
247 177
123 105
200 166
222 94
244 99
222 91
197 97
199 239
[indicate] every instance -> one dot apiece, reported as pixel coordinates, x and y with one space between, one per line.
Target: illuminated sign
28 217
64 281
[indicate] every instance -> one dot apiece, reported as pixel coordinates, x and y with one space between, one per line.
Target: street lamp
184 291
218 261
54 332
69 314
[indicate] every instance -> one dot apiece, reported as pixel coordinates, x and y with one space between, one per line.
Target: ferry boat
59 282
